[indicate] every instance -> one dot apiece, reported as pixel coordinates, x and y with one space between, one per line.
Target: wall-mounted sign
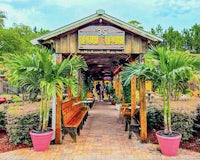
101 37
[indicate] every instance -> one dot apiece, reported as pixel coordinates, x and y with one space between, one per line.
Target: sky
52 14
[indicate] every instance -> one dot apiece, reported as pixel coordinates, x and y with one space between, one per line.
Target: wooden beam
143 111
58 133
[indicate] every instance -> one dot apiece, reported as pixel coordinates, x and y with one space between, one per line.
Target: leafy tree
191 38
10 41
39 32
187 40
195 32
187 45
158 31
173 39
136 24
2 17
16 40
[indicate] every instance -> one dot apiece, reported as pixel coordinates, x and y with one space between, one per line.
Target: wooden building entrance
106 43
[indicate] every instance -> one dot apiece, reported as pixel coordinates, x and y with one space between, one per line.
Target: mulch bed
193 144
5 146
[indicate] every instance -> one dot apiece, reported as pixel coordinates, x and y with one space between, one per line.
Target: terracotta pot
41 141
169 145
113 102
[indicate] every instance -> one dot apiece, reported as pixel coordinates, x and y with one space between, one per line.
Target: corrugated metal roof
99 14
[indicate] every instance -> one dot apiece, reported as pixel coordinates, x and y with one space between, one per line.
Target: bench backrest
78 99
70 105
67 106
89 94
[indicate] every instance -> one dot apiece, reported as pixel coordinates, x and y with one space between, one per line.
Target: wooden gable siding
68 43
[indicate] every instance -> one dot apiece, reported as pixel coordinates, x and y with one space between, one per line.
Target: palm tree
2 17
39 72
169 69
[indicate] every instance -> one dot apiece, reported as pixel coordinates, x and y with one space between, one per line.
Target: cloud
27 16
68 3
10 1
176 8
50 14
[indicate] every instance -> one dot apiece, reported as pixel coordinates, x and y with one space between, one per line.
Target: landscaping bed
184 107
188 105
192 144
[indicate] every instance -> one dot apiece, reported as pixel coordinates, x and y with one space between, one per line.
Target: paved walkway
102 138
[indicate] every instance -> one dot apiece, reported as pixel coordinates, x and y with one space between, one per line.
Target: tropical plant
127 93
39 73
168 68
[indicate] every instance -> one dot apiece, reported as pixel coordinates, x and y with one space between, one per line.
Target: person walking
108 90
98 90
102 92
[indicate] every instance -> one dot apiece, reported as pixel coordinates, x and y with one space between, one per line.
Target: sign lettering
101 37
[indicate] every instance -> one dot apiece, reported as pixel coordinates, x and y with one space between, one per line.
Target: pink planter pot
169 145
41 141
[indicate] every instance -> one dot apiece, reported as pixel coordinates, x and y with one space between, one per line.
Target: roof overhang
100 14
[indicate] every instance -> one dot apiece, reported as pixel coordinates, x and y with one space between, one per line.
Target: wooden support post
80 84
58 133
58 138
69 92
133 96
143 111
114 82
118 86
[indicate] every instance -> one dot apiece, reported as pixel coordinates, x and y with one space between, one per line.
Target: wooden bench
74 114
124 110
89 101
133 125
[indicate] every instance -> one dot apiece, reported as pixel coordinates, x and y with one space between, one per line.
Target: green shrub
182 122
14 99
197 120
154 118
2 119
2 116
19 125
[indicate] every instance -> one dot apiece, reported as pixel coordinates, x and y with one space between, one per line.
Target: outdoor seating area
99 88
103 137
74 115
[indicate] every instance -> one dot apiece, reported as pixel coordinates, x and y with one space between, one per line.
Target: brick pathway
102 138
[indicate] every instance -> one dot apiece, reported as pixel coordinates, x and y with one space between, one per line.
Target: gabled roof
99 14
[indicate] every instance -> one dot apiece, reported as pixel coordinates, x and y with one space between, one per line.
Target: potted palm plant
39 72
166 70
